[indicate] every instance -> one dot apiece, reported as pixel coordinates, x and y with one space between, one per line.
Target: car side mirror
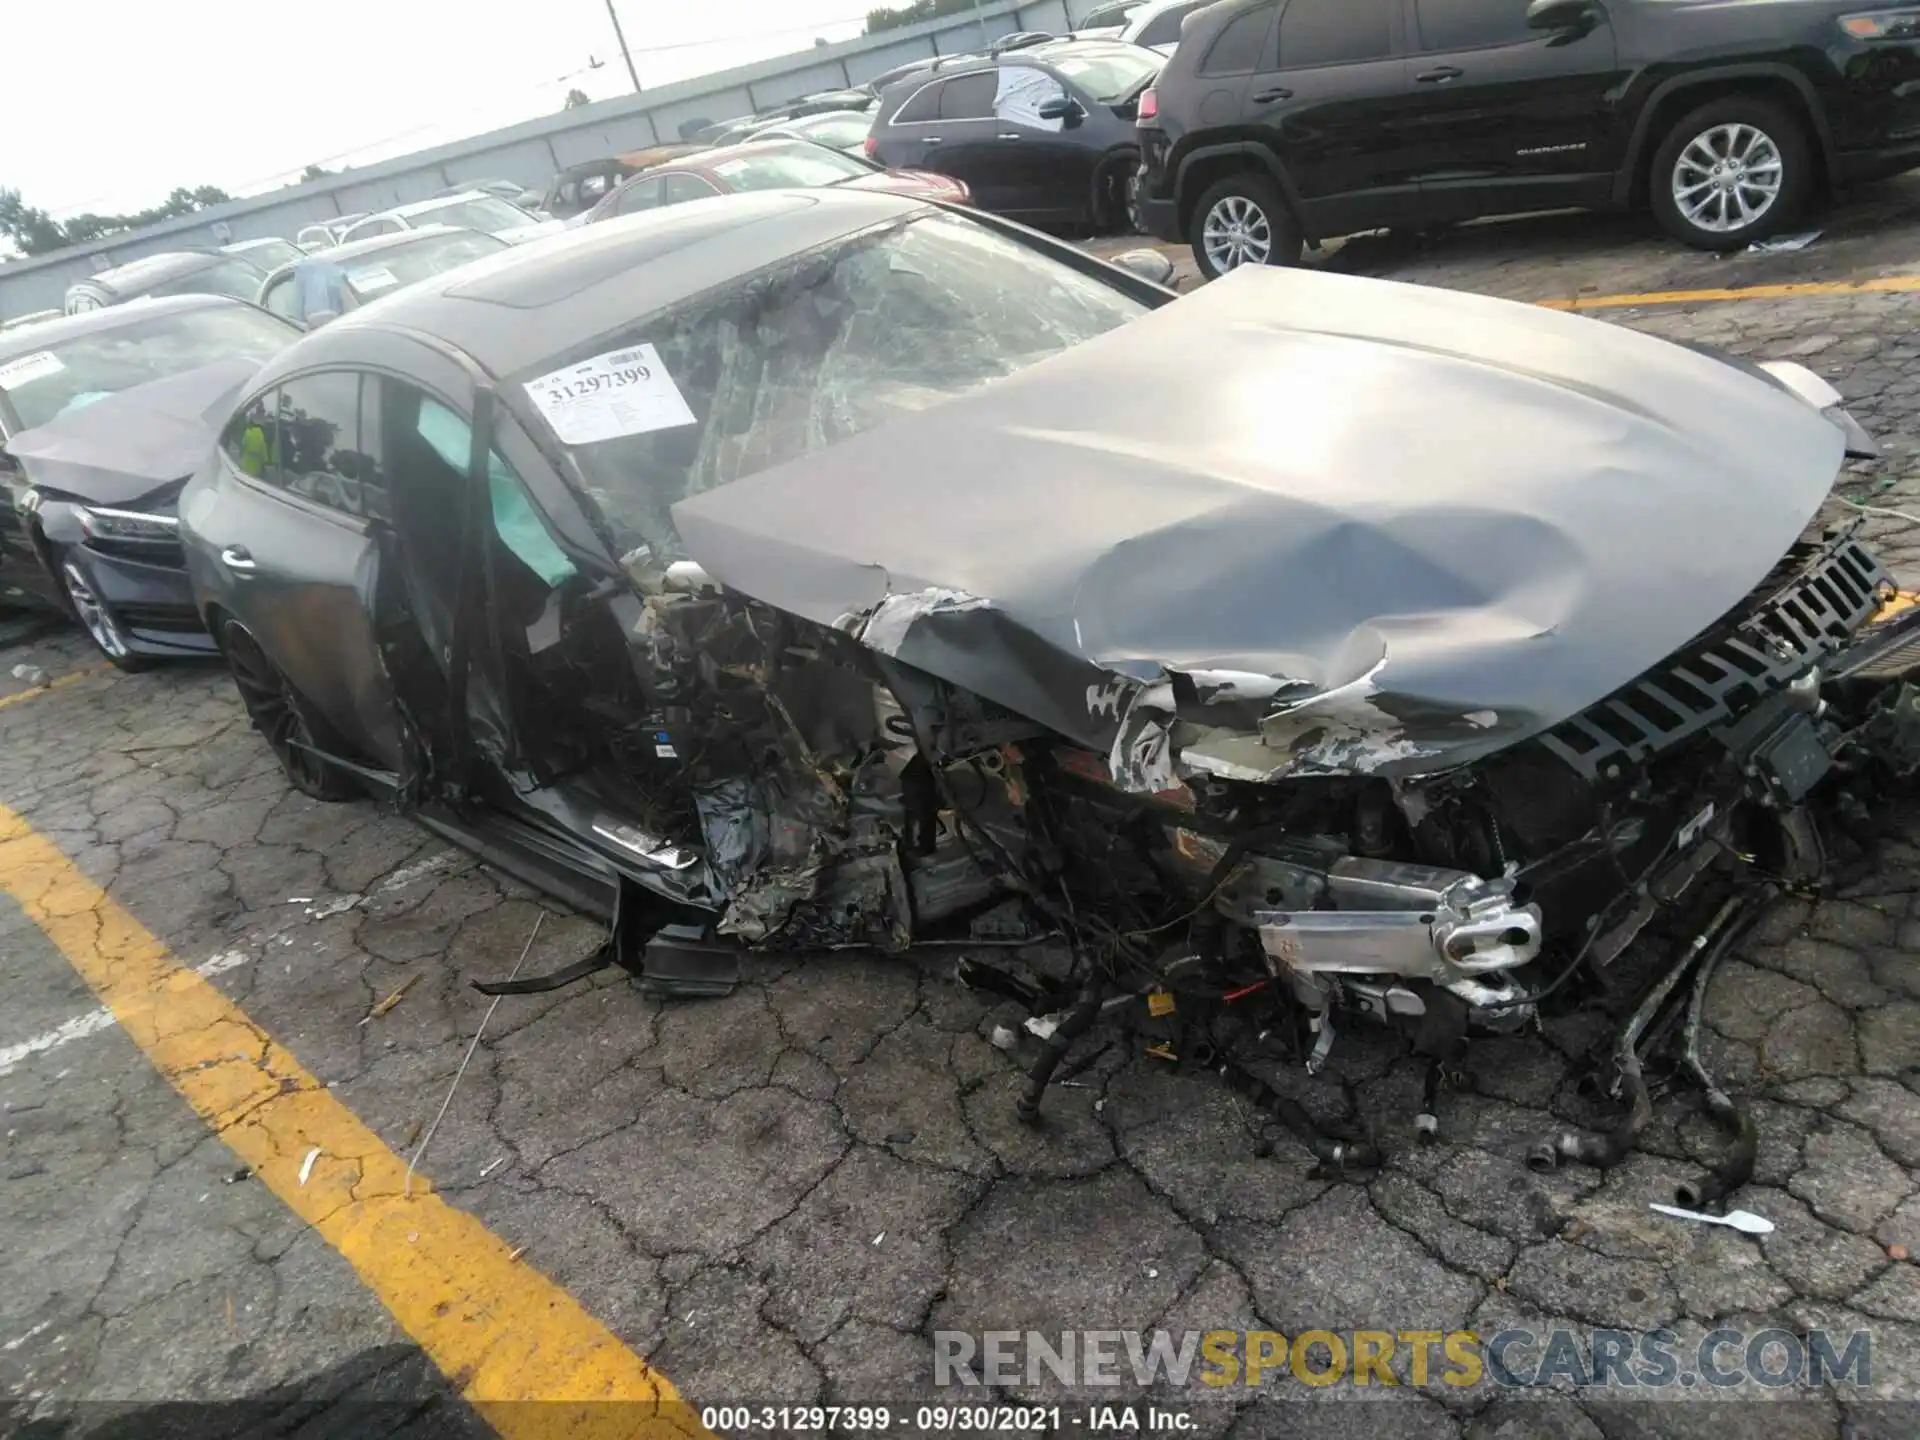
1561 15
1147 264
1059 107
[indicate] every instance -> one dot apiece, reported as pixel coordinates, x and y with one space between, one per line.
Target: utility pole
619 35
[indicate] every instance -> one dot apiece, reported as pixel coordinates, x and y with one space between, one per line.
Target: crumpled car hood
1296 523
125 445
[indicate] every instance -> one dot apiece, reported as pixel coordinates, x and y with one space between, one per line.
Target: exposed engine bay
765 781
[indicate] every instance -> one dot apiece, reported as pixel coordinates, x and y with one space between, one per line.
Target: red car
767 165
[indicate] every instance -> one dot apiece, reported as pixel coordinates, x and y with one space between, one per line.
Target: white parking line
96 1020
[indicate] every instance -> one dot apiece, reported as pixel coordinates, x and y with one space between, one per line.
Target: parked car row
1281 122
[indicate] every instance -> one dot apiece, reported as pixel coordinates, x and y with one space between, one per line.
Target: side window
969 97
683 187
1023 90
279 298
251 439
1164 28
319 439
640 195
1335 32
1472 24
1238 48
923 105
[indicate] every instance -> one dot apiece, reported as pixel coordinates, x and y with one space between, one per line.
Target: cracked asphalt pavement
779 1197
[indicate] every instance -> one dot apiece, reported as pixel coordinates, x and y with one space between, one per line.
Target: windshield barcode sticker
374 277
36 366
624 392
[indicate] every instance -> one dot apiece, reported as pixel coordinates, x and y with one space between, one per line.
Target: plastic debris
1783 244
1003 1038
299 899
1042 1026
32 674
392 1000
1745 1221
306 1165
881 1236
491 1166
1897 1252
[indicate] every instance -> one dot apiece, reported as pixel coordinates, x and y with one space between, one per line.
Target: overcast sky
110 106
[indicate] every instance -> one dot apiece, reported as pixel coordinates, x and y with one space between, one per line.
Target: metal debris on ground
467 1059
1783 244
392 1000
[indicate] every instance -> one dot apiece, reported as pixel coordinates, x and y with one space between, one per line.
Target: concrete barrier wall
532 151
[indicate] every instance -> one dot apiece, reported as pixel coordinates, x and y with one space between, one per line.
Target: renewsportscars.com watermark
1722 1360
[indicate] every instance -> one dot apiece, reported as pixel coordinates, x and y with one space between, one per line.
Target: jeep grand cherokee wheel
1241 220
1734 171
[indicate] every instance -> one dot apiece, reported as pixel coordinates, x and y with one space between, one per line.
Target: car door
1322 102
957 137
1041 163
635 196
299 560
1501 118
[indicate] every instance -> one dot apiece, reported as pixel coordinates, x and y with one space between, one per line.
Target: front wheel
1733 171
291 729
95 615
1242 220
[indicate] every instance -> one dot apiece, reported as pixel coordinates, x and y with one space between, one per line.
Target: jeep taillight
871 146
1149 106
1883 25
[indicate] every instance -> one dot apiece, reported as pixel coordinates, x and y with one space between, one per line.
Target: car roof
149 269
240 247
535 301
42 333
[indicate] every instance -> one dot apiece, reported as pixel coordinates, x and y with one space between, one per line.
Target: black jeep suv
1278 121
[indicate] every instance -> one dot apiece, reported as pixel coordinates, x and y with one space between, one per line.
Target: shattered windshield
65 374
798 358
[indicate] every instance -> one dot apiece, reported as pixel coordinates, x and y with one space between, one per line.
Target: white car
468 210
1156 25
1107 21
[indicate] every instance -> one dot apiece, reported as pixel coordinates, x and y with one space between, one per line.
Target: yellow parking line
53 684
1887 284
504 1333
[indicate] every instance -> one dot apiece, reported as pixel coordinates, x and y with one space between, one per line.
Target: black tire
1267 232
282 717
95 615
1722 131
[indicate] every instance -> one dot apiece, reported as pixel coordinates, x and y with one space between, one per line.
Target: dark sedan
818 569
767 165
178 272
1046 133
108 408
317 287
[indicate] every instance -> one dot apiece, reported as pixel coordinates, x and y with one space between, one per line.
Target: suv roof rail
1019 40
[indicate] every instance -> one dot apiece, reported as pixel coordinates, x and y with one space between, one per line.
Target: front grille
1721 674
164 553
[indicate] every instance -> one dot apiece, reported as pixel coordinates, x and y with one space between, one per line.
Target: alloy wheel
1236 232
1727 177
93 613
275 711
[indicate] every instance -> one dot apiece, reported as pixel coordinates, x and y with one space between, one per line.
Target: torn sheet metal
1477 507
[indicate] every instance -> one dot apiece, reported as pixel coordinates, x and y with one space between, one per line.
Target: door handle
1439 75
1267 97
236 559
929 139
1009 137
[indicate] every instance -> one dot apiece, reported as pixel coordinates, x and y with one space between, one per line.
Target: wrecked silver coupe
818 571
